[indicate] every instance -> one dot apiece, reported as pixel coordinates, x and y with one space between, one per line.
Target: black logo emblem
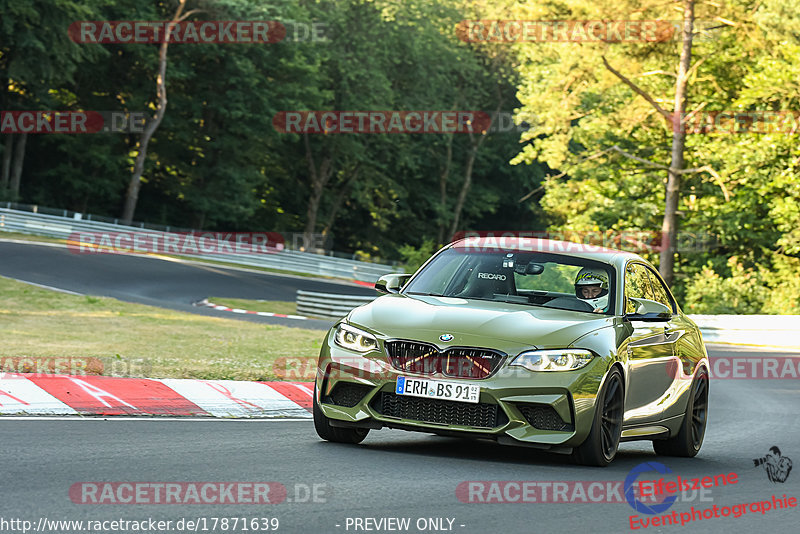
778 467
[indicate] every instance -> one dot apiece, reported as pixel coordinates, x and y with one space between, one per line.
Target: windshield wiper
425 294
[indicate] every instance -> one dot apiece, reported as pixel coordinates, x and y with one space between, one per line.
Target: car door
684 337
651 353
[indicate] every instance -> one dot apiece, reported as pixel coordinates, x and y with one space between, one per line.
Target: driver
591 286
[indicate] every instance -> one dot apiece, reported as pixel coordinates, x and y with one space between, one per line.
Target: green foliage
742 291
784 284
752 210
414 257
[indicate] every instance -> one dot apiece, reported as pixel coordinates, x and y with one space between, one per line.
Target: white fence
286 260
768 330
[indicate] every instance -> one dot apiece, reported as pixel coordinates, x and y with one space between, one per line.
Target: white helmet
590 278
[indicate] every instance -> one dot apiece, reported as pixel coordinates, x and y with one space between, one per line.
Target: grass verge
139 340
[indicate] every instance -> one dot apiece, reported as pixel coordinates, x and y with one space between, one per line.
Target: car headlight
354 338
553 360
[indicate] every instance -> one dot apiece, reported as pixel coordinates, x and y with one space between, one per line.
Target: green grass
272 306
29 237
140 340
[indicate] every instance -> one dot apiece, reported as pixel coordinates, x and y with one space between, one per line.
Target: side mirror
391 283
649 310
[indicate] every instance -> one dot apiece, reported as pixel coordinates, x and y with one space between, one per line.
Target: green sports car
547 344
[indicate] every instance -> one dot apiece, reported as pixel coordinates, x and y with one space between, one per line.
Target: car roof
535 244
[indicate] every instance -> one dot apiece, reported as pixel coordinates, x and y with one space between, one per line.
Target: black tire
689 439
331 433
601 445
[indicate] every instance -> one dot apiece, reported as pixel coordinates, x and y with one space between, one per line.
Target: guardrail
328 305
286 260
765 330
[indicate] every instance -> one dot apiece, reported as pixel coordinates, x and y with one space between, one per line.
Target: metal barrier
328 305
286 260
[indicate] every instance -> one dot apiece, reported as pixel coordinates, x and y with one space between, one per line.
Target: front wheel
689 439
331 433
601 445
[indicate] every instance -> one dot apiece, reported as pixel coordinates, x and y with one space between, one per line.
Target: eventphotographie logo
777 467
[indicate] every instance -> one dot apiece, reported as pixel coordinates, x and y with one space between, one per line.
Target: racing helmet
592 279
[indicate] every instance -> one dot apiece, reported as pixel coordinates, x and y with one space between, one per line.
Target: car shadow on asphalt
484 451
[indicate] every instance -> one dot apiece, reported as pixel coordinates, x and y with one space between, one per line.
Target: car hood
474 322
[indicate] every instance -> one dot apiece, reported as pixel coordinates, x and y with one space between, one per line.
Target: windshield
527 278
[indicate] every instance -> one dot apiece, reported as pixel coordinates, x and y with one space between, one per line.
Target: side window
637 285
659 291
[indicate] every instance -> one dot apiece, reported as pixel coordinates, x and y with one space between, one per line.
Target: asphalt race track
158 282
393 473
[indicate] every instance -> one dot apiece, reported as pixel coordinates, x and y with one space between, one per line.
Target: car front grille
457 362
348 394
444 412
544 417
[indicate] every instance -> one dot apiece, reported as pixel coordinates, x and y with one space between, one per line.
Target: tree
33 64
150 127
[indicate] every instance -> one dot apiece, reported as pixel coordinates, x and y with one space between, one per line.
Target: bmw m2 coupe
551 345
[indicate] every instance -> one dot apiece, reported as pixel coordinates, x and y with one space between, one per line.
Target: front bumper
549 410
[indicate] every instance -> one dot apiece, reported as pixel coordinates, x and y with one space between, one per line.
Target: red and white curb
39 394
238 310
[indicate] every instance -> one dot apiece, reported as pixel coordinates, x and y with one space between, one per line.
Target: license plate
437 389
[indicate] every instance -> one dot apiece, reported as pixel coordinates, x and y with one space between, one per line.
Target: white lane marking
40 243
21 396
220 307
236 398
51 288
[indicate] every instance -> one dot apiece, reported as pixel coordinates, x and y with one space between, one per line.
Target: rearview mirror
391 283
530 268
649 310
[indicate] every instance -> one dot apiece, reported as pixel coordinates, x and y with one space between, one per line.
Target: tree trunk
462 195
473 151
443 191
6 172
319 178
132 194
338 200
669 227
16 170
